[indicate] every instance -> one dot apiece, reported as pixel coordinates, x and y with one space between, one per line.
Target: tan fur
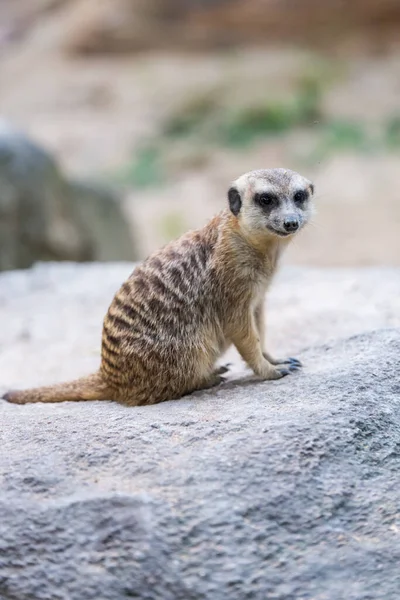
187 303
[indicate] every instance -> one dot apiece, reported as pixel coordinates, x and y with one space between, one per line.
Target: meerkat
182 308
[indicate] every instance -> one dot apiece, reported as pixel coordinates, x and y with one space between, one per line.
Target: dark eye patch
300 197
266 200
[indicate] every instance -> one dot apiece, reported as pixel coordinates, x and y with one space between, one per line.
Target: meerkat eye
265 200
300 197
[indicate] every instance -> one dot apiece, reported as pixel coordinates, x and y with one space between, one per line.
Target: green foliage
339 136
343 135
243 126
392 132
203 123
144 170
310 90
270 119
204 116
191 117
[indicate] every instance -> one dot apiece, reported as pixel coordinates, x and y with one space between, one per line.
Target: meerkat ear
235 201
312 188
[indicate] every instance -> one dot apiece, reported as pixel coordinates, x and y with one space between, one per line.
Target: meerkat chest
259 290
249 291
262 278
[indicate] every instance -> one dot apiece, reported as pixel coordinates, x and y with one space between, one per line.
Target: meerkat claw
217 380
295 361
283 372
290 362
287 369
282 361
223 369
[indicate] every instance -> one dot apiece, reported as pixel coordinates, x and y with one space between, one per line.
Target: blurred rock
45 217
129 25
98 210
18 16
283 490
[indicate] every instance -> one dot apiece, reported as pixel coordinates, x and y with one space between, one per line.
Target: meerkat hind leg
209 382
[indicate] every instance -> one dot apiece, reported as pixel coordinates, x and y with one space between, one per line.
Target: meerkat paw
284 370
293 363
276 373
214 380
270 373
222 369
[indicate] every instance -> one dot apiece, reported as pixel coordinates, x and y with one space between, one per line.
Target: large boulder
100 213
44 216
286 490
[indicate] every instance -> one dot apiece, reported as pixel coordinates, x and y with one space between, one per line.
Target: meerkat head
276 202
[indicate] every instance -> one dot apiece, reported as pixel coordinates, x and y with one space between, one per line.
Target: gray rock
280 490
45 217
99 211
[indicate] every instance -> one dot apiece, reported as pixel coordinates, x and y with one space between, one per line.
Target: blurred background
123 122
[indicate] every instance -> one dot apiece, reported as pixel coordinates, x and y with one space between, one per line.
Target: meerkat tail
91 387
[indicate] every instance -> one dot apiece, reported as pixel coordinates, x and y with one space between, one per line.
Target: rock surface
43 216
280 490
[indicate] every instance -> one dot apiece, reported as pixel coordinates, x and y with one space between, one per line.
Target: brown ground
94 112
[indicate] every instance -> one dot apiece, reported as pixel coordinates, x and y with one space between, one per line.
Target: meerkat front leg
259 317
247 341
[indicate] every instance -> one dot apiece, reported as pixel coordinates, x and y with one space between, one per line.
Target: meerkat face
277 202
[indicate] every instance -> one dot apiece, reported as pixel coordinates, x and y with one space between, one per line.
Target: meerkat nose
291 224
